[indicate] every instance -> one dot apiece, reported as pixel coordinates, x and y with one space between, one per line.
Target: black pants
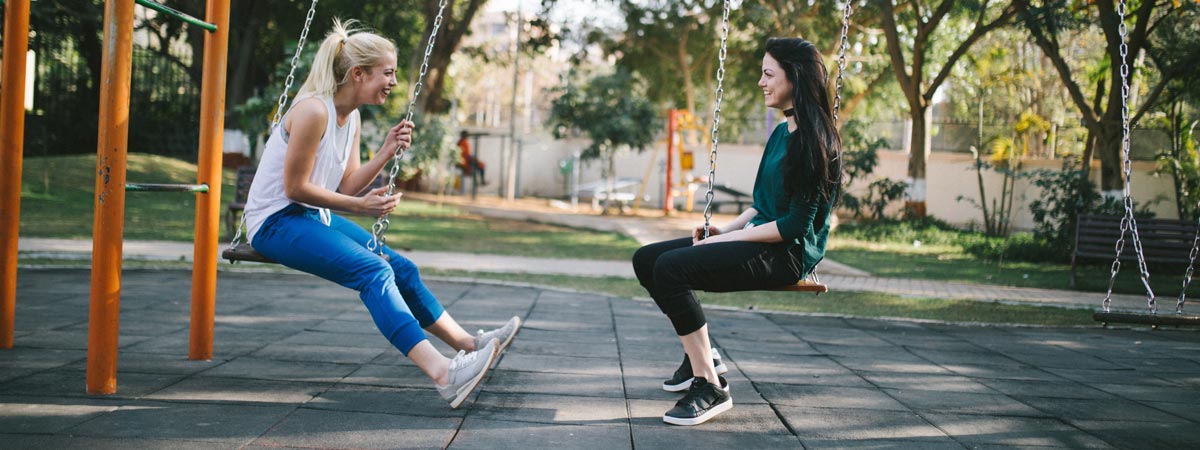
671 271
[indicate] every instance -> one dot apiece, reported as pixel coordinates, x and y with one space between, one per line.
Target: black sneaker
683 375
703 401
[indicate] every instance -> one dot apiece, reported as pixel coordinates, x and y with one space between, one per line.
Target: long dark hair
813 167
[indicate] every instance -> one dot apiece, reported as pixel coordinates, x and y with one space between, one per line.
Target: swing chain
1129 222
714 140
381 225
837 95
1187 276
283 98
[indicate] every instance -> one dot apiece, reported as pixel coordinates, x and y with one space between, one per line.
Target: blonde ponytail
343 49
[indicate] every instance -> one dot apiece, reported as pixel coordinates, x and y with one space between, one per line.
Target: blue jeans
392 290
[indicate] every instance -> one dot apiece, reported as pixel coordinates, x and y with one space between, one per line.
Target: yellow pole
109 221
208 206
12 140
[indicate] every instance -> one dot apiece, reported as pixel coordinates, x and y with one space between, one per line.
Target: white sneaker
466 371
503 334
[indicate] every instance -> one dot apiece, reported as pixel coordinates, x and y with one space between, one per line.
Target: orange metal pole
109 222
208 206
668 201
12 141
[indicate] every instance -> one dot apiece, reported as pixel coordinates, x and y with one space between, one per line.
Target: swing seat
804 286
244 252
1154 320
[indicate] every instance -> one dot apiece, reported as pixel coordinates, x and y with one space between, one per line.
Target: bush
1065 195
931 231
1017 247
928 230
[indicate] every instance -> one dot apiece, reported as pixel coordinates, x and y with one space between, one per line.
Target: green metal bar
178 14
172 12
156 187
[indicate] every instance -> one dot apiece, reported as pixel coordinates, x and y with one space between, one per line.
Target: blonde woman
311 166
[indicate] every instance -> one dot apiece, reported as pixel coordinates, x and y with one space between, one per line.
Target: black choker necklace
789 112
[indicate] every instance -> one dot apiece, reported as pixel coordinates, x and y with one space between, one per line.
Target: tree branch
888 15
1053 52
965 46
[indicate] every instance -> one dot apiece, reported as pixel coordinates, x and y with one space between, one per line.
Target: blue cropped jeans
392 290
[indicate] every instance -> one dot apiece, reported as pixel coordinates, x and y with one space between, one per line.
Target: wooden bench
740 199
1164 241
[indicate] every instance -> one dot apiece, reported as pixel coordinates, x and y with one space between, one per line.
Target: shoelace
463 358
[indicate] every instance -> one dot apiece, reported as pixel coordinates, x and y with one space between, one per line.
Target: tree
611 121
671 44
1047 20
456 22
949 29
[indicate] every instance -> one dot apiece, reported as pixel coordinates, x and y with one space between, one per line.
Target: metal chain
283 98
714 139
1129 222
1187 276
379 229
837 93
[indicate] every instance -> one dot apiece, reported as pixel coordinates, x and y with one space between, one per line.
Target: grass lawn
864 304
57 201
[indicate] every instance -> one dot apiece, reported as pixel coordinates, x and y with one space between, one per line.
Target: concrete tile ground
300 365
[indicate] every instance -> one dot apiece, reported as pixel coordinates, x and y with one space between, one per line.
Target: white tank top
267 195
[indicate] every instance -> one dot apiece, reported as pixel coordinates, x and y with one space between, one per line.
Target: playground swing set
111 186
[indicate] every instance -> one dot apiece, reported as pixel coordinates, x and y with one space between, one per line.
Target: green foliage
610 110
1065 195
1185 169
861 157
433 146
926 230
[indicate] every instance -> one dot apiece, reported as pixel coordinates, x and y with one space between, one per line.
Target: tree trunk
1108 145
921 115
242 42
685 69
448 41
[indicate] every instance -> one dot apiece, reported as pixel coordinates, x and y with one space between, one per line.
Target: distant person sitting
469 163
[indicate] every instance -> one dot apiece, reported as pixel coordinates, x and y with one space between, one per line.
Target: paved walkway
298 364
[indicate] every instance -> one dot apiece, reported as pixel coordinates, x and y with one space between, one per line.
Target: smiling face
777 90
377 83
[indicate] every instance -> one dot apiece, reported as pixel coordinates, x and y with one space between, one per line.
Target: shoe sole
465 390
721 370
714 412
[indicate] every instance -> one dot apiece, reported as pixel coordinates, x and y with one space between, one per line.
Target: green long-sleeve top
800 220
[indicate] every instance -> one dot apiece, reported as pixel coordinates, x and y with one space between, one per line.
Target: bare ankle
441 375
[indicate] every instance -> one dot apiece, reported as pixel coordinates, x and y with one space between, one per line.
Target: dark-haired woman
776 242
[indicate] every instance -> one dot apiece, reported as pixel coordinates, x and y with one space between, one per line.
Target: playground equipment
679 122
1129 225
111 149
12 141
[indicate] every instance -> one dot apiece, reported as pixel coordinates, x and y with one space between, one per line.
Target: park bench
1164 241
241 191
740 199
617 195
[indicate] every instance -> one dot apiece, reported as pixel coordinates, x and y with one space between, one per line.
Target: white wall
949 175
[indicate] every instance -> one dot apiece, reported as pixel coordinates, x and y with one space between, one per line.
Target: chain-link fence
164 100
